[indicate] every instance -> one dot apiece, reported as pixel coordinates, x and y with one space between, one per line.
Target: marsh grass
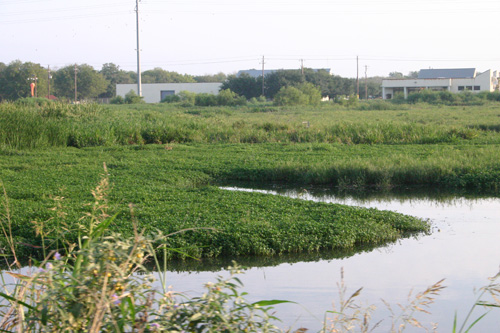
54 124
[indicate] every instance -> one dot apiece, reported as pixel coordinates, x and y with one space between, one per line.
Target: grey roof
257 72
447 73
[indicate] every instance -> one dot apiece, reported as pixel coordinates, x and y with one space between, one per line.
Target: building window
476 88
468 88
461 88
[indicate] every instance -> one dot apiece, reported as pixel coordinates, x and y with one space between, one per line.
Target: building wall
486 81
152 92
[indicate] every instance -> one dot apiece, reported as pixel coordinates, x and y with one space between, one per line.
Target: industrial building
453 79
155 92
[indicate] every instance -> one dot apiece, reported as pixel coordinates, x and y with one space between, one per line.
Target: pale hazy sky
205 37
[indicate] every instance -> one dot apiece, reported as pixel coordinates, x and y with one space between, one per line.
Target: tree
159 75
396 75
412 75
219 77
340 86
244 85
312 93
282 78
319 78
90 83
290 96
114 75
16 77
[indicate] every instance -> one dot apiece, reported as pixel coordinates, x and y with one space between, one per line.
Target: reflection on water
463 248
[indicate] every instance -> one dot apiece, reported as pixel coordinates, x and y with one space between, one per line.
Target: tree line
15 79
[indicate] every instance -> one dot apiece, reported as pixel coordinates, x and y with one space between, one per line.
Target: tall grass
59 125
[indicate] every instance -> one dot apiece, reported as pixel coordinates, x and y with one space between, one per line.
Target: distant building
453 79
258 72
155 92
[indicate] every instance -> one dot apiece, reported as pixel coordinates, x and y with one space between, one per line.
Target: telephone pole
139 83
76 70
357 76
48 81
302 66
263 63
366 82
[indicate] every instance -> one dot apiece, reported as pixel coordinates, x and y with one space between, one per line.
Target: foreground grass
171 190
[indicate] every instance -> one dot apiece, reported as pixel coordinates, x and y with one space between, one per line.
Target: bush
187 97
290 96
302 94
228 98
205 99
312 93
117 100
171 99
132 98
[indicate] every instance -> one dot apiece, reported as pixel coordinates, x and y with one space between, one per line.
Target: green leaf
272 302
44 314
476 321
10 298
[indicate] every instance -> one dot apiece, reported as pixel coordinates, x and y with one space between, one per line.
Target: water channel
463 248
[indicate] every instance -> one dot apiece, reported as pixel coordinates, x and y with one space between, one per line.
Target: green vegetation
166 159
25 125
170 189
101 283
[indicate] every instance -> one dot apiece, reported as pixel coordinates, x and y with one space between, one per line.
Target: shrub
228 98
117 100
187 97
290 96
171 99
132 98
205 99
312 93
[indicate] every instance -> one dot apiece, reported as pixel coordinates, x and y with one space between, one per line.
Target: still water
463 248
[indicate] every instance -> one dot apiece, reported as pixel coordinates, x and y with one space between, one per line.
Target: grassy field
168 160
90 125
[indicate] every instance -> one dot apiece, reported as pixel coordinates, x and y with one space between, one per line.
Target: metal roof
447 73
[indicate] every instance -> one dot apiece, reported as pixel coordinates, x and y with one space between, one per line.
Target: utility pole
263 63
76 90
139 83
366 83
357 76
302 66
48 82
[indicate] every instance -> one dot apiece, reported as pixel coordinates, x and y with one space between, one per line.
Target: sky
201 37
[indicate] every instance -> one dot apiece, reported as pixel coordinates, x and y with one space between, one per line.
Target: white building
454 80
155 92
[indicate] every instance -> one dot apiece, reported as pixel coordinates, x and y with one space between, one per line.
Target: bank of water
463 248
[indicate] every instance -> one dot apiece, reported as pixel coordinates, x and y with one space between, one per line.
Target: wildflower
155 326
57 256
49 266
116 300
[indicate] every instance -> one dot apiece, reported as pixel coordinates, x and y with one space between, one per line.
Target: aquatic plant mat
171 190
